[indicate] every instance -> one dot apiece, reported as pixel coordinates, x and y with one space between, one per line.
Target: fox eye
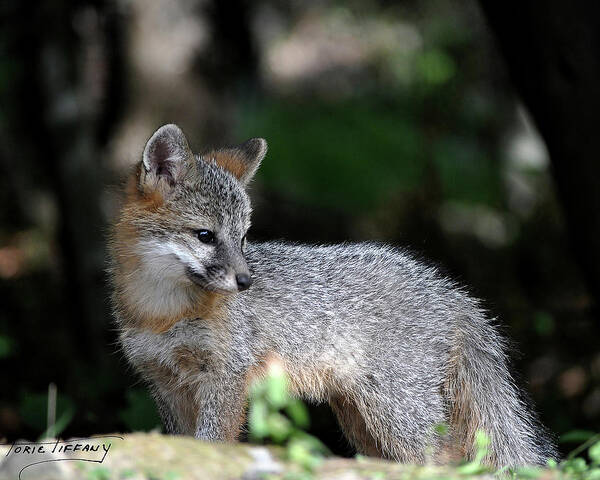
243 243
205 236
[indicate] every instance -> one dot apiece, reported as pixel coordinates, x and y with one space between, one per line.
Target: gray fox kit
394 347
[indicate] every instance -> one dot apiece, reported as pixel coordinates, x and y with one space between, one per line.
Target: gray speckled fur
394 347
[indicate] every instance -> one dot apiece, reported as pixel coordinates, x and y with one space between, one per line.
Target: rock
152 456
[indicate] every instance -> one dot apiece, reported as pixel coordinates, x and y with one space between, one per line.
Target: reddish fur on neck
204 304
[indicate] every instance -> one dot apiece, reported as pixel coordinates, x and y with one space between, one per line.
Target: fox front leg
221 412
208 409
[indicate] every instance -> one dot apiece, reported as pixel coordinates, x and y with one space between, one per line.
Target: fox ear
242 161
165 157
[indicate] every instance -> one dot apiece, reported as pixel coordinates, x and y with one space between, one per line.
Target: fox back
394 347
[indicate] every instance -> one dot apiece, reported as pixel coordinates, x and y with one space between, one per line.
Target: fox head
183 226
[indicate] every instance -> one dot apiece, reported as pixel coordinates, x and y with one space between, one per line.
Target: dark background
464 131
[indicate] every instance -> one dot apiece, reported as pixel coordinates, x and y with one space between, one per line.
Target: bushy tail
482 396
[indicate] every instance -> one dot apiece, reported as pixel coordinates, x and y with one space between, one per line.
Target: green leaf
279 427
276 388
257 419
301 452
575 465
593 474
312 442
471 468
594 453
257 389
441 429
482 442
529 472
298 412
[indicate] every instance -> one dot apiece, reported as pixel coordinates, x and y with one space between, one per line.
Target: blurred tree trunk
61 114
231 60
193 62
80 74
553 54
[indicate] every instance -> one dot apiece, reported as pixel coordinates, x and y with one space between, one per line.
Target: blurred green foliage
275 416
435 67
140 413
7 346
466 171
351 154
33 408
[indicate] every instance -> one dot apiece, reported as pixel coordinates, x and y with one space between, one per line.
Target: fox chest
189 350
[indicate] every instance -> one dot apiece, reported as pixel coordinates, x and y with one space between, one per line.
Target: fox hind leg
396 427
166 414
354 427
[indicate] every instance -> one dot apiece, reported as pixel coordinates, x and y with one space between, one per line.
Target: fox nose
243 281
